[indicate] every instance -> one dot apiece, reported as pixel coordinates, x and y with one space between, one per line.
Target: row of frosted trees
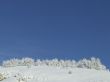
93 63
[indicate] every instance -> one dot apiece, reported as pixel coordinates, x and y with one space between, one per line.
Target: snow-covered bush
62 63
2 77
27 62
93 63
96 64
21 78
18 62
84 63
11 62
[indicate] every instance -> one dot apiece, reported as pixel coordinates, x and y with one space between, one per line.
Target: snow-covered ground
53 74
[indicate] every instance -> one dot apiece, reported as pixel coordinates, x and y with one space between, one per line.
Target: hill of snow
53 74
28 70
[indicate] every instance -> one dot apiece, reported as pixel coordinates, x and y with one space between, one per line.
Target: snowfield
53 74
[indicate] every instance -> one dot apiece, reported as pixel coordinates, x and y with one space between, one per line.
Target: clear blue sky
55 29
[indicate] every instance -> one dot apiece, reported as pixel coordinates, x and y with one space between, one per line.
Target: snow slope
53 74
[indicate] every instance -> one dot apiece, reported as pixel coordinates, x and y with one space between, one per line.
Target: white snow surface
53 74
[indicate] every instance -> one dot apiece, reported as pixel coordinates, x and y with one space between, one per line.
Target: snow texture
49 71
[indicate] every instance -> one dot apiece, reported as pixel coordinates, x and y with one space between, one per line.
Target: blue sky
67 29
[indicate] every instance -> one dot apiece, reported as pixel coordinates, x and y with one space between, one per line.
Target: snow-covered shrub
21 78
96 64
62 63
11 63
84 63
18 62
27 62
93 63
54 62
2 77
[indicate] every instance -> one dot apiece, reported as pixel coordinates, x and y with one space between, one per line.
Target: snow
53 74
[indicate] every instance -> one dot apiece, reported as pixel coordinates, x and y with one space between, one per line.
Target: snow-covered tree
27 61
96 64
11 62
93 63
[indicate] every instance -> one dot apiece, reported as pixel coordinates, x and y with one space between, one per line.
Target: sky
64 29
